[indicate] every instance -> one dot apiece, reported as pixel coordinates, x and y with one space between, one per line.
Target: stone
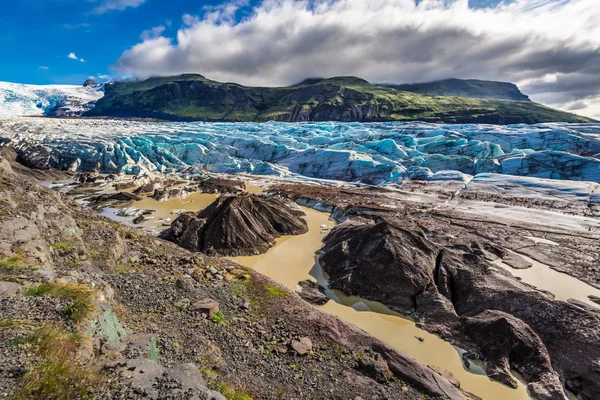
139 219
446 374
374 367
302 346
8 289
184 284
228 277
310 291
206 306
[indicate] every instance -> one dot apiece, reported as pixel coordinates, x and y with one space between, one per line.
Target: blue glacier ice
373 153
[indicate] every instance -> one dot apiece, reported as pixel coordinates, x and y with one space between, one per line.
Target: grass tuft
230 393
81 297
218 318
14 264
58 374
64 248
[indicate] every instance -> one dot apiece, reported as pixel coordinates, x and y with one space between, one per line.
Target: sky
550 48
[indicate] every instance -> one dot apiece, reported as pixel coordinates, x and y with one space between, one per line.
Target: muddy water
293 260
562 286
166 211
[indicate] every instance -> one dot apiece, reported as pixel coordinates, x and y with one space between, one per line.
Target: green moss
209 373
64 248
275 291
231 393
81 297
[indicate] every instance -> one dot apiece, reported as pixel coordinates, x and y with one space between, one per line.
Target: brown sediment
291 260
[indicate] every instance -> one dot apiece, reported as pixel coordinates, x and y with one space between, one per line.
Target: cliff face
193 97
471 88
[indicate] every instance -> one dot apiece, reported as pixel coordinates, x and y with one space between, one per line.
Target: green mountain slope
193 97
471 88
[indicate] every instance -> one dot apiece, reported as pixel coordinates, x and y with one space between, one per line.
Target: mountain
55 100
191 97
471 88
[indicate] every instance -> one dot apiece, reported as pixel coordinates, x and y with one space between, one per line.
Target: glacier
369 153
61 100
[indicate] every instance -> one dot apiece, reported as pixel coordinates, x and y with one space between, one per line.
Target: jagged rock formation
368 153
236 225
452 288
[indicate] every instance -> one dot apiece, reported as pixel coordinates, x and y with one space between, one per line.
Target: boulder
8 289
506 341
236 225
375 367
302 346
206 306
311 292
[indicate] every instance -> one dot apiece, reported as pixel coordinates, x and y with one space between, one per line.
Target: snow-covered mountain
59 100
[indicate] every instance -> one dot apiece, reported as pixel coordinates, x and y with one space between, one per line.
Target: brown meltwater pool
562 286
166 211
292 259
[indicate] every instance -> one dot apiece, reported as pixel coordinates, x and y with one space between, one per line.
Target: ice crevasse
373 153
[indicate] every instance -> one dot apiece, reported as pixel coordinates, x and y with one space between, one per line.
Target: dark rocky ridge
236 225
192 97
453 289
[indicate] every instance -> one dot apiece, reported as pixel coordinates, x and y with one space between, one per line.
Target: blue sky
550 48
38 35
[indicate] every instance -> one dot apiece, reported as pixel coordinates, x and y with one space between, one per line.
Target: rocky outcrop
236 225
458 294
506 341
220 185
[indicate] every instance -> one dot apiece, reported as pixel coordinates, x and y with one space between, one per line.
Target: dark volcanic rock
504 341
221 185
366 259
114 198
89 82
446 285
236 225
311 292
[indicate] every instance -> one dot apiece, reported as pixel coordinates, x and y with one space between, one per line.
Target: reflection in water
543 277
293 260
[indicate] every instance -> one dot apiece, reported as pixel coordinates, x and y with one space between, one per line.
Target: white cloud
529 42
116 5
44 67
152 33
103 76
72 56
